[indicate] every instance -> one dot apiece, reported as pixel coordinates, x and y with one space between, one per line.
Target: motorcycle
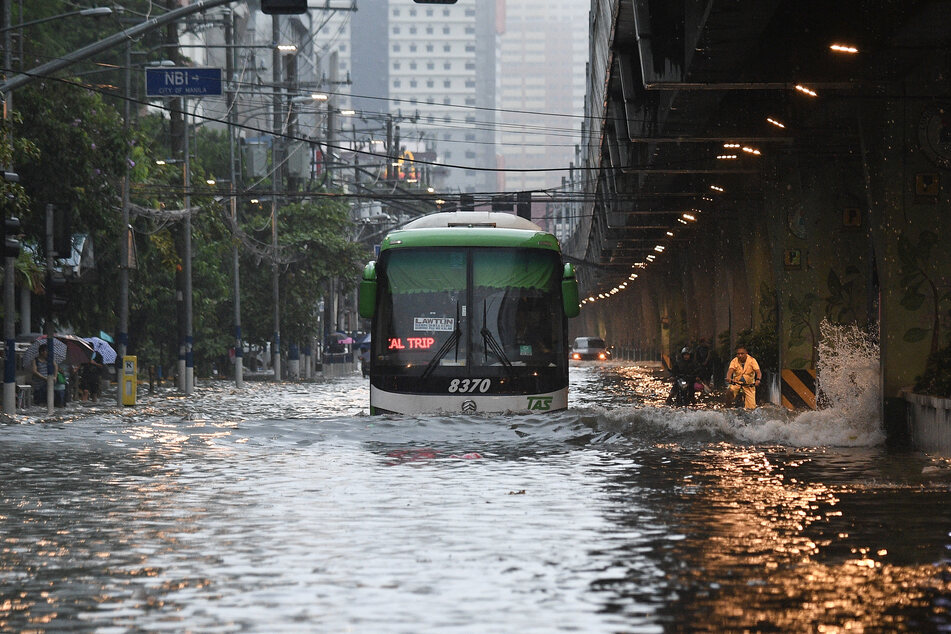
682 392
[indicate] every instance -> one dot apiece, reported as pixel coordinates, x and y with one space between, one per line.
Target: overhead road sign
182 81
284 7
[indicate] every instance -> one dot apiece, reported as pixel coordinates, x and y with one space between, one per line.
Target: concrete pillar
908 167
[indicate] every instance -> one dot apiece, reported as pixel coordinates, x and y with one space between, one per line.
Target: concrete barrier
929 422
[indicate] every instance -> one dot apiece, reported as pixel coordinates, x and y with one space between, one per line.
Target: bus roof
471 228
472 219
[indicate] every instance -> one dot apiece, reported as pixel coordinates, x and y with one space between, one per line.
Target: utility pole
126 234
389 148
178 138
276 181
189 339
50 347
9 280
235 260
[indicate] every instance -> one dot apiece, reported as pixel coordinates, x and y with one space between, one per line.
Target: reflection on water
287 507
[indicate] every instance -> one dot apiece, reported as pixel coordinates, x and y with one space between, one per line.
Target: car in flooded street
589 349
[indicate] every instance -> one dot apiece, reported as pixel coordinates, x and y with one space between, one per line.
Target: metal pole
235 261
189 339
9 279
103 45
123 338
50 348
275 188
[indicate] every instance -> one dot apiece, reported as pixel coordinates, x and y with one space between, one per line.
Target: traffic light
284 7
56 290
11 242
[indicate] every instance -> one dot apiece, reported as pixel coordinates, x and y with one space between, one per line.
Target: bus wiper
451 342
442 352
489 341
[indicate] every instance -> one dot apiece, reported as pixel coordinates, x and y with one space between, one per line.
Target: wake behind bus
469 314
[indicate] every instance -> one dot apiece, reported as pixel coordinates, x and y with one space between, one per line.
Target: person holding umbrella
40 370
90 378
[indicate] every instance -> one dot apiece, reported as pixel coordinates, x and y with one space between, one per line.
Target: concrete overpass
775 180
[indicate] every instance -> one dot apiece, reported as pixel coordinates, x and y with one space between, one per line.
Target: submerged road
287 508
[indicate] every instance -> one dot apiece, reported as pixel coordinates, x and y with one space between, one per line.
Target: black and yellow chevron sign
799 389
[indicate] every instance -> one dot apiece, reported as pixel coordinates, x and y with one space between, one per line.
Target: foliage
918 285
314 237
723 347
15 199
762 345
843 295
936 379
77 166
71 148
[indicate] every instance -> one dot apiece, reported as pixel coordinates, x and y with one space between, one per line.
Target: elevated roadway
757 166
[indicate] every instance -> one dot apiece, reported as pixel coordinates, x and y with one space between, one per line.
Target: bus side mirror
569 292
366 304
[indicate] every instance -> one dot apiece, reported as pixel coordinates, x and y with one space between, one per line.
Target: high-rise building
468 85
439 83
543 50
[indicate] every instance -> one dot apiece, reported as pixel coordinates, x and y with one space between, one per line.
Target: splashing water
849 401
847 386
848 369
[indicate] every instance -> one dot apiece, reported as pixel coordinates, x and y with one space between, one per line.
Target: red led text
413 343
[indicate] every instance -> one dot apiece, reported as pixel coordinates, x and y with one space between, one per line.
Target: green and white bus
469 314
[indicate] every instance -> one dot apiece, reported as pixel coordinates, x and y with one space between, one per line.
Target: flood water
287 508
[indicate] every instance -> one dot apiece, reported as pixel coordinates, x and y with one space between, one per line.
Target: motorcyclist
684 367
703 355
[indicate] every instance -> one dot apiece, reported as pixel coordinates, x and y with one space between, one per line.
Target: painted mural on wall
802 329
846 296
922 290
843 300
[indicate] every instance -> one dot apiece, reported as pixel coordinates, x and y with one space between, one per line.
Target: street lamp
91 12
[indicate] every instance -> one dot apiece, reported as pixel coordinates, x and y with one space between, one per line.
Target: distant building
462 83
543 50
442 67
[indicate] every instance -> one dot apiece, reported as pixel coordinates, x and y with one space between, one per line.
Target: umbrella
102 346
365 339
68 348
33 350
348 340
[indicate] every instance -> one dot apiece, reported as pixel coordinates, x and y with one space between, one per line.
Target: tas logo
539 402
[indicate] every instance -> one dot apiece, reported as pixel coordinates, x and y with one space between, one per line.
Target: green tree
77 166
314 247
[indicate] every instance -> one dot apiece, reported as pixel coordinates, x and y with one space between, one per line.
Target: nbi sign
182 82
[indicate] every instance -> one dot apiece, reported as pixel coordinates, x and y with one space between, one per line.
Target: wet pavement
287 508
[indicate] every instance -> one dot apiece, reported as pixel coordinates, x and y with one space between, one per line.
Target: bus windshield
469 311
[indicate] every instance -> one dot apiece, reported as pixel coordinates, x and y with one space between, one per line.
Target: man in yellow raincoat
743 374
